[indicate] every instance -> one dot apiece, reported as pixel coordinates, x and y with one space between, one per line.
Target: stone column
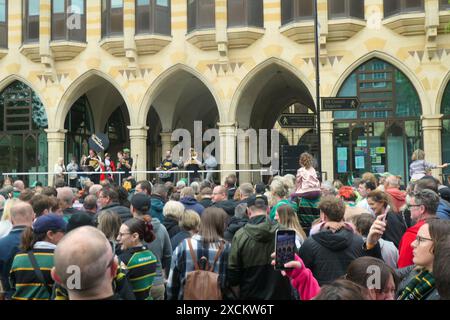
432 128
138 147
326 136
93 20
129 30
166 142
244 159
55 139
227 160
45 35
221 30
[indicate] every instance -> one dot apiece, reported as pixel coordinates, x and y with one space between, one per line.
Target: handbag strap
219 252
38 271
194 259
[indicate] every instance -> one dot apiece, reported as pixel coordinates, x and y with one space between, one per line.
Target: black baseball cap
79 219
141 202
259 201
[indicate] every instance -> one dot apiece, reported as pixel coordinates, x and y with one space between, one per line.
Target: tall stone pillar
55 140
432 128
138 146
166 142
227 160
326 147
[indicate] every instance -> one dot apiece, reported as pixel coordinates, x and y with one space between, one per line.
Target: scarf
419 287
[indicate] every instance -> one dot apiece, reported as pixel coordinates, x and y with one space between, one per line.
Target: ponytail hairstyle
29 238
143 227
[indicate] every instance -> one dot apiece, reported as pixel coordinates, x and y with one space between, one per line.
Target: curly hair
306 160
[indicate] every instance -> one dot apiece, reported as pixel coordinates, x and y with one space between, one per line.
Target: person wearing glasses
423 206
417 280
136 257
30 276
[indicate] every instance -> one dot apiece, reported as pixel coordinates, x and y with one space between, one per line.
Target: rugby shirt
141 265
23 279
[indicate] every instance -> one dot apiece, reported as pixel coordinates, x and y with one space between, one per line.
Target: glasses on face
420 239
409 206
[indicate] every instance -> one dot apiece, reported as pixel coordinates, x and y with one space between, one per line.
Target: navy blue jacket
191 203
9 246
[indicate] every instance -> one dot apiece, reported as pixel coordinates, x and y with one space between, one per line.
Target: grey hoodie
162 249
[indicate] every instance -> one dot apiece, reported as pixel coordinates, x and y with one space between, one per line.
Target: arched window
69 20
388 119
112 18
153 16
30 21
201 14
445 109
346 9
243 13
392 7
444 4
3 23
296 10
23 141
79 125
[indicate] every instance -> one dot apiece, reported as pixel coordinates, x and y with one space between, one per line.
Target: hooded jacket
327 254
227 205
398 198
234 225
122 211
249 265
191 203
172 226
443 210
157 208
162 248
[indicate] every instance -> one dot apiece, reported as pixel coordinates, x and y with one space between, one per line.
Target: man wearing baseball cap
30 276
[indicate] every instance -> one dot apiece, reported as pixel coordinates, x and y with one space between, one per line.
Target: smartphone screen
284 248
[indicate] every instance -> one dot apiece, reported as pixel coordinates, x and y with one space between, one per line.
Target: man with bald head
18 186
22 216
392 188
220 200
67 198
85 265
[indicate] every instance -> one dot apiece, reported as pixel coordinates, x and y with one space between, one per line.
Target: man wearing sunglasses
422 205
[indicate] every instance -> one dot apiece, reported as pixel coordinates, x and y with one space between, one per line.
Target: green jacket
249 264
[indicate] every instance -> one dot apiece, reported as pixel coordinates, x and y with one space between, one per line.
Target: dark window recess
69 20
3 23
201 14
346 9
112 18
30 21
153 16
243 13
296 10
392 7
444 4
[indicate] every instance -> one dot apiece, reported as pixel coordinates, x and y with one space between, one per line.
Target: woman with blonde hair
6 223
419 167
109 223
279 193
173 211
189 225
287 217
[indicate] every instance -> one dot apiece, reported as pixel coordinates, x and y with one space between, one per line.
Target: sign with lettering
297 121
340 104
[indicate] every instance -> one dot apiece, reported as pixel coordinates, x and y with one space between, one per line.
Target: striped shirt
141 265
182 264
23 279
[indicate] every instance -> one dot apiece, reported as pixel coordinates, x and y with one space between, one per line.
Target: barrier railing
178 174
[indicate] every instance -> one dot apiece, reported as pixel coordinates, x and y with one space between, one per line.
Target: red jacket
405 250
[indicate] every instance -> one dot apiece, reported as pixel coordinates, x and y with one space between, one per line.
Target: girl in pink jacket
307 184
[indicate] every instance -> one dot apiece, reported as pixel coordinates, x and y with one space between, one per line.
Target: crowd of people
376 239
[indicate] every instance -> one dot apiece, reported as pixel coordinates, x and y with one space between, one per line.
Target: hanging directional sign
338 104
297 120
